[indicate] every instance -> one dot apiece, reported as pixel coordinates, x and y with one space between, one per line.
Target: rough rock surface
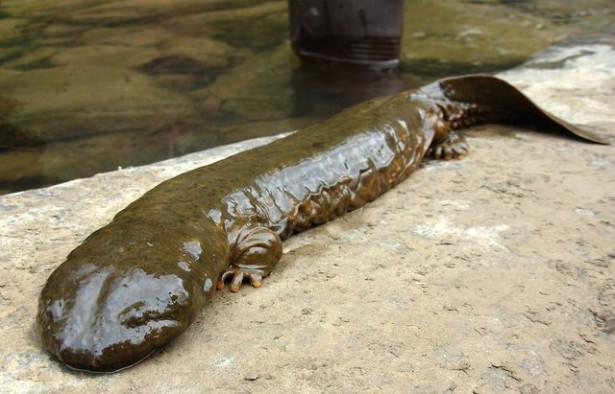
490 274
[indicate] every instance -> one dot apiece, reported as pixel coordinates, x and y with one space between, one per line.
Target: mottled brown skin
137 283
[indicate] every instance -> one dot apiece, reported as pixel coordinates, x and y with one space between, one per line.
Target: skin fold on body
137 283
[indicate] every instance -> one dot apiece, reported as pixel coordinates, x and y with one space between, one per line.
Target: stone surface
489 274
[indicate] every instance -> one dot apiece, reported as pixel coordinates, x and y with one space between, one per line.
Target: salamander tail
475 99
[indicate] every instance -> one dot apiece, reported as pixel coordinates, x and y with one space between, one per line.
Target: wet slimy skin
137 283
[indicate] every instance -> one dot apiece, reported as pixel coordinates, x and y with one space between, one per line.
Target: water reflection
321 89
91 85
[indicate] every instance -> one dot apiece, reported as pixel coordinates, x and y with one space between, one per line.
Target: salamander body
137 283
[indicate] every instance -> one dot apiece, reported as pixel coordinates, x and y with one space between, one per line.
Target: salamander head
99 319
106 311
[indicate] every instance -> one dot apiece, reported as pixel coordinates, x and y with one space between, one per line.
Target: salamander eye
137 315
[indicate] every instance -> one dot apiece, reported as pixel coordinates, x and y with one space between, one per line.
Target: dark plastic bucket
360 32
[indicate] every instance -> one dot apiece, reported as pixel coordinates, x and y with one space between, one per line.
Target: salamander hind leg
254 255
448 146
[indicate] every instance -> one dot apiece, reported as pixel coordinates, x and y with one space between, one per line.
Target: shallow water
92 85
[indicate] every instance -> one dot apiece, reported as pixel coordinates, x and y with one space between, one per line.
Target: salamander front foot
453 146
253 256
236 276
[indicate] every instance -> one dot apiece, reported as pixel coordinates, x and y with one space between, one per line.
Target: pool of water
92 85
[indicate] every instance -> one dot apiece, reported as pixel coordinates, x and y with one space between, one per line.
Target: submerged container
360 32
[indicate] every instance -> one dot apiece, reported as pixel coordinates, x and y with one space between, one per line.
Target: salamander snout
96 318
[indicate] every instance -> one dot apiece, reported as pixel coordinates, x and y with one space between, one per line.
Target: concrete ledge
490 274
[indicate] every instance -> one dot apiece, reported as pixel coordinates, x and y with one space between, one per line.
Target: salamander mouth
83 361
110 370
